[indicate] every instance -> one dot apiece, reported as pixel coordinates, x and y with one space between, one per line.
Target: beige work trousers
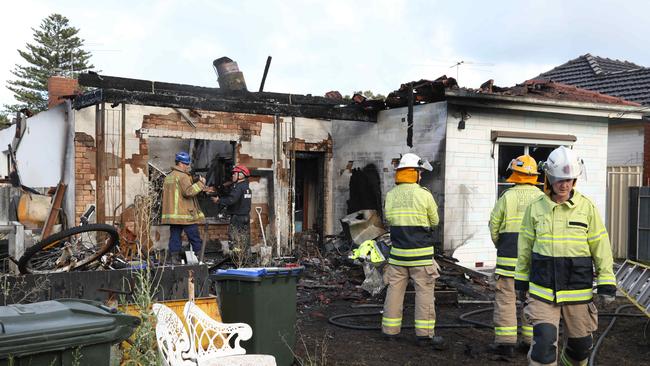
505 313
580 320
424 279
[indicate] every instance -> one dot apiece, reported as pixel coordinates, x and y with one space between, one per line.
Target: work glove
521 295
522 290
603 301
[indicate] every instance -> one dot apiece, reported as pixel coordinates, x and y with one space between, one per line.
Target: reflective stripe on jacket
559 246
179 203
505 221
411 213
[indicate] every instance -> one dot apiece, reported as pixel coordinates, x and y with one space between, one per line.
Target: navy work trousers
192 232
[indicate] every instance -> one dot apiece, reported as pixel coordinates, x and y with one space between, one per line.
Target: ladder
633 279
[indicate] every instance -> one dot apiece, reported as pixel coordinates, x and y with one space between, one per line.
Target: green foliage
77 356
370 95
56 50
4 120
144 349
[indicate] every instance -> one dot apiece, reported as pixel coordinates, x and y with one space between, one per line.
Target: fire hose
471 323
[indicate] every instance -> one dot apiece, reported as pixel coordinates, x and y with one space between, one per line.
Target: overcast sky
319 46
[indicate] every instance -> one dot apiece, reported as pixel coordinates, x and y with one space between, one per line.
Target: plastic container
265 299
62 332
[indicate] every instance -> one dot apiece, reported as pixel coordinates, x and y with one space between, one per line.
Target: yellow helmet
524 164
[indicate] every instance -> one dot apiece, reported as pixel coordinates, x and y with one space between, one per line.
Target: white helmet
563 163
409 160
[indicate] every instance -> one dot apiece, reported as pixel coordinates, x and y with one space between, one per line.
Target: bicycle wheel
69 250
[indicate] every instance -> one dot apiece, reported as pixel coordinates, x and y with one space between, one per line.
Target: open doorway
308 214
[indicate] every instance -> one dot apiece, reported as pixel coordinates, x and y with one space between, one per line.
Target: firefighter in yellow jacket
180 208
561 242
411 213
504 228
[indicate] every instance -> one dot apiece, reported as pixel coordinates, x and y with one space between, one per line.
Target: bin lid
256 274
42 326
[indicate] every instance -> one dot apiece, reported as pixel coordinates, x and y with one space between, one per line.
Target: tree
56 51
4 121
370 95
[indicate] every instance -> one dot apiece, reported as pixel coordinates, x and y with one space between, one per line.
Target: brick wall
244 125
58 87
84 172
215 232
625 145
470 179
247 126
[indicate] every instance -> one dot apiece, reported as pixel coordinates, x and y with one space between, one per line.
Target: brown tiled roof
548 89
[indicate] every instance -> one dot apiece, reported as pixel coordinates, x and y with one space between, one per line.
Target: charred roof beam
202 102
155 87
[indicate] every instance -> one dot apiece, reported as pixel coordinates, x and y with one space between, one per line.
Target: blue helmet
183 157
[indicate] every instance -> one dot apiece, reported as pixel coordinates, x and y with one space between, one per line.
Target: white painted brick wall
470 180
378 143
625 146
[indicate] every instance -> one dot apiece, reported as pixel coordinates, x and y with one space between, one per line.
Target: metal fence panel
619 179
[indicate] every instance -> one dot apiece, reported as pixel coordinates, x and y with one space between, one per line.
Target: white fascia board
611 111
537 142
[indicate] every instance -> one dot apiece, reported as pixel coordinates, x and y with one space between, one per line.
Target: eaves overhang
522 103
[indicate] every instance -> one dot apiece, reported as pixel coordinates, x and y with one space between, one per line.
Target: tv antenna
462 62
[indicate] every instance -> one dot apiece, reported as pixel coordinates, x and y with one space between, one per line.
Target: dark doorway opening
309 186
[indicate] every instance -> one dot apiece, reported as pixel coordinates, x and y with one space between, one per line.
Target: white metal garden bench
177 348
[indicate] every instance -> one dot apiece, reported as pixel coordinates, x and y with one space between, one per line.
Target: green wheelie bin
62 332
265 299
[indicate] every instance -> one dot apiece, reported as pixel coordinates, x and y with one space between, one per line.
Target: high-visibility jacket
368 250
411 213
179 203
559 247
505 221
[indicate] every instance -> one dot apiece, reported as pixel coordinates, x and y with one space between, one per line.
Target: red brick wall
244 125
215 232
59 86
84 172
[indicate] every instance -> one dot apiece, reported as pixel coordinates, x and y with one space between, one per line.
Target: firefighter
504 228
238 205
180 208
411 213
562 241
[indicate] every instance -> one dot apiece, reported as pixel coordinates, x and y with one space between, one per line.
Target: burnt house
316 159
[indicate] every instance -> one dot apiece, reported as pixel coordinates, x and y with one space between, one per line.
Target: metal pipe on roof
229 76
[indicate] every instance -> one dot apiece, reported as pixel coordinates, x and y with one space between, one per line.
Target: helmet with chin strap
410 160
561 164
241 169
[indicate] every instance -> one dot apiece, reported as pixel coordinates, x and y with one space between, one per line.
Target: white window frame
527 144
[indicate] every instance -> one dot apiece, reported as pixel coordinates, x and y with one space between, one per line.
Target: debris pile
330 276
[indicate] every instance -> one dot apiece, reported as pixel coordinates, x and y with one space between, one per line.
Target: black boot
507 350
439 343
175 258
523 347
390 337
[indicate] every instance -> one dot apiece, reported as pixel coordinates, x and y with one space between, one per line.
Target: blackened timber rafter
202 102
157 87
